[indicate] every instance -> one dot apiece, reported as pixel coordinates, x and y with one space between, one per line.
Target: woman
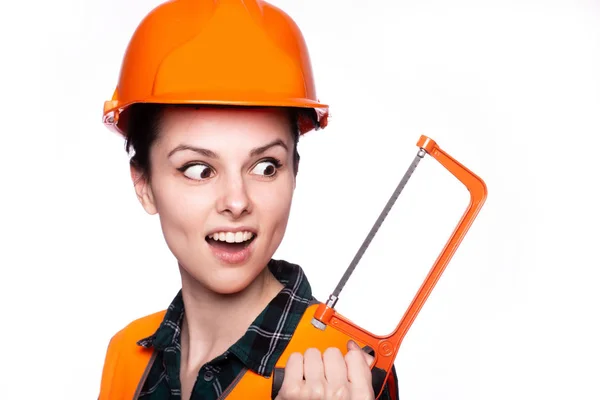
212 99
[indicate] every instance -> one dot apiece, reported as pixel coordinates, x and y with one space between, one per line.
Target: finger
293 380
336 374
352 345
359 373
314 373
335 367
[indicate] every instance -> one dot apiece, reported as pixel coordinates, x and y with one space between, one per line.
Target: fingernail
352 345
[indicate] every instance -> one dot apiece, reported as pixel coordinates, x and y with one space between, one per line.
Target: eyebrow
211 154
259 150
200 150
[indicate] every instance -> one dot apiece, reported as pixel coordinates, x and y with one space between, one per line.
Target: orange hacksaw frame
386 347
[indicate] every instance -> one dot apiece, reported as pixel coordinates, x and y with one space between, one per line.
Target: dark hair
143 126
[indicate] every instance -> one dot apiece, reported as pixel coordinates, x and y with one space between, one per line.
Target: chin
232 284
229 280
218 275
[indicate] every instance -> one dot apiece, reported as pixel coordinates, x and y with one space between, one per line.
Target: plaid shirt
258 350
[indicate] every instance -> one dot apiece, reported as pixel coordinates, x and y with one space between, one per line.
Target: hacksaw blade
334 296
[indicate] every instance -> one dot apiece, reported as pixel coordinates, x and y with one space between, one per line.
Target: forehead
235 125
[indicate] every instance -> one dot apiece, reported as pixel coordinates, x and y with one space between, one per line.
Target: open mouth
229 241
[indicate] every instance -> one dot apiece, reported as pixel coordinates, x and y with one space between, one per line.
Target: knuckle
289 392
340 393
317 391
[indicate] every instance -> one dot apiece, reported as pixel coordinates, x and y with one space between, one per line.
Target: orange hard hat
219 52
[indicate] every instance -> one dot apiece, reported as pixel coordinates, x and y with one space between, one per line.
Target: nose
233 199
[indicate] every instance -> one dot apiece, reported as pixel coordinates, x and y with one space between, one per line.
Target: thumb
353 346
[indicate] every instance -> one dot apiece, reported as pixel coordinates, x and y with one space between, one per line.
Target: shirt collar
169 331
267 337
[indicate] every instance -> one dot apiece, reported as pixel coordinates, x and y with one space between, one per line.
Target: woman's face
222 182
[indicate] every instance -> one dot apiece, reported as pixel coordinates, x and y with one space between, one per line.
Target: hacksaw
385 348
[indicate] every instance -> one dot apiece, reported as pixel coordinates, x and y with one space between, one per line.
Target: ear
143 190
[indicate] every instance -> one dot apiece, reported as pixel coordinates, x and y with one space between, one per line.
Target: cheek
273 205
181 208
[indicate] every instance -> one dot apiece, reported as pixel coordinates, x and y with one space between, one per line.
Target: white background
509 88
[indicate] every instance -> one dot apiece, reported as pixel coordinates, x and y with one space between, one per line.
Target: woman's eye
198 172
265 168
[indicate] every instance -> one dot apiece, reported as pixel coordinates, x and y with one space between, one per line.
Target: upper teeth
231 237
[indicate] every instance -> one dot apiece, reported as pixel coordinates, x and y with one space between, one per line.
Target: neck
213 321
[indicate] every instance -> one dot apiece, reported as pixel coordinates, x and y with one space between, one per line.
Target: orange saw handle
386 347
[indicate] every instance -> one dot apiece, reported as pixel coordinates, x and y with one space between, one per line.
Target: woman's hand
328 376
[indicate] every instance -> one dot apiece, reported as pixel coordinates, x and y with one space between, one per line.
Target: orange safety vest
128 364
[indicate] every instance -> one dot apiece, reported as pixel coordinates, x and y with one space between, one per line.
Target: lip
233 258
233 230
